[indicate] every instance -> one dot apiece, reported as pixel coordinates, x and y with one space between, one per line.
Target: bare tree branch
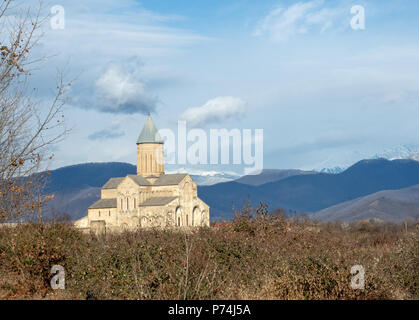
28 128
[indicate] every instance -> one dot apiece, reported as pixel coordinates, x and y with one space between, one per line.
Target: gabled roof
112 183
149 134
157 201
104 203
170 179
163 180
141 181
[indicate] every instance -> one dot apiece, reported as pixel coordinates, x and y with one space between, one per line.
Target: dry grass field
256 256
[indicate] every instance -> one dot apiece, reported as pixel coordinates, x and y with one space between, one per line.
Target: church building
151 198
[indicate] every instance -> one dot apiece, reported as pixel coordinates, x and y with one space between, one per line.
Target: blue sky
324 94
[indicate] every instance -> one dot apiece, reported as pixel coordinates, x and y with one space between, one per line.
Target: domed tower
150 154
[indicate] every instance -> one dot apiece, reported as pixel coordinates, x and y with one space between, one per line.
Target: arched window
187 222
186 190
150 166
204 218
135 205
195 216
99 213
178 216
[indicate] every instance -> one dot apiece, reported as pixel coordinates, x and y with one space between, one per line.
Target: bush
259 255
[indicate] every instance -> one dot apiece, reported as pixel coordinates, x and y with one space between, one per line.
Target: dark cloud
143 105
106 134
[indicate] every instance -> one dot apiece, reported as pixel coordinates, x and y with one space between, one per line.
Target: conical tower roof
149 134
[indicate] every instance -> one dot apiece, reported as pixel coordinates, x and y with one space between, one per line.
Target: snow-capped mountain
337 162
207 178
400 152
406 151
334 170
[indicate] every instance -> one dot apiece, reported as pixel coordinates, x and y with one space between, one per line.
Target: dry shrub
259 255
28 251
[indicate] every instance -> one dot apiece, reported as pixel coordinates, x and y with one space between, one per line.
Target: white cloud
120 89
214 110
281 24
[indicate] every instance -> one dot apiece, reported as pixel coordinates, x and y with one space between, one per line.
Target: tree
28 128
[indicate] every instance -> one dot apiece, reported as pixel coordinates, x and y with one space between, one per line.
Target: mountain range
76 187
271 175
310 193
387 205
404 151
